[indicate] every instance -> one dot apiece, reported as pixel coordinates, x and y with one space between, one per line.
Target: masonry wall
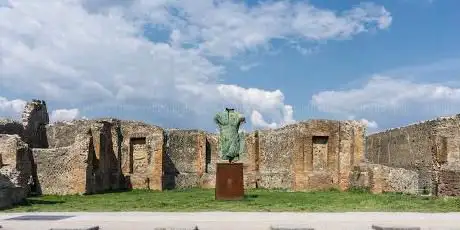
185 158
142 149
67 170
92 156
310 155
11 127
431 148
103 151
379 178
16 172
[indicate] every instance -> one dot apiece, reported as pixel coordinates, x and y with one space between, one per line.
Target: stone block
320 181
449 183
380 178
16 170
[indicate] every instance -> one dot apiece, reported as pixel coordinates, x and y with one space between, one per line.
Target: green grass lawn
256 200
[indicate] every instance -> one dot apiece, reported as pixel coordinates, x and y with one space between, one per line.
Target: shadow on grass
114 191
252 196
30 202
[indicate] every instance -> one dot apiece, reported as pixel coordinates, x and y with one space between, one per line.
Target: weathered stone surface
67 170
208 179
379 178
142 148
15 170
105 143
250 160
276 151
449 183
185 158
424 147
63 134
301 155
34 119
11 127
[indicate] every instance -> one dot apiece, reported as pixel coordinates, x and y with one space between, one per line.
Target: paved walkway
232 220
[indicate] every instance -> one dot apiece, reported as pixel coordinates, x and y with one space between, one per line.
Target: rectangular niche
138 154
320 152
442 150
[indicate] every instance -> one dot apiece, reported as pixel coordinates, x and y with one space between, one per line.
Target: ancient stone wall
67 170
16 170
142 149
448 183
34 119
310 155
185 158
208 179
409 147
11 127
423 148
379 178
105 145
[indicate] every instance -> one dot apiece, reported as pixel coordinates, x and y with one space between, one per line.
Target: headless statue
231 143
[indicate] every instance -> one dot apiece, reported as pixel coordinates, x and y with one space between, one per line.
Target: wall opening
320 152
137 153
442 150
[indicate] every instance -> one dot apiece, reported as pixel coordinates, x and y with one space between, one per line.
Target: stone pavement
228 220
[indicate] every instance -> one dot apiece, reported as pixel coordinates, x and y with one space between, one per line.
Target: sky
176 63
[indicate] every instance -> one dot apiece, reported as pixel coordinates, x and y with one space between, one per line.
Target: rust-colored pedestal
229 181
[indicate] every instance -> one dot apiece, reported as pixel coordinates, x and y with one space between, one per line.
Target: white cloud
64 115
258 121
390 98
262 102
369 124
90 53
226 28
384 93
11 108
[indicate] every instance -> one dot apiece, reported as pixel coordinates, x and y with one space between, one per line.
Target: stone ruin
95 156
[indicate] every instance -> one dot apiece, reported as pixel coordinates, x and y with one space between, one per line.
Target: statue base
229 181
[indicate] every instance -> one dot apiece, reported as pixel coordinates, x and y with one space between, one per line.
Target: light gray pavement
235 220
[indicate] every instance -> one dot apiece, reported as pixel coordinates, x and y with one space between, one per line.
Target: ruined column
34 119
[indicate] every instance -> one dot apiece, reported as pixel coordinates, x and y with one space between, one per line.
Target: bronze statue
231 143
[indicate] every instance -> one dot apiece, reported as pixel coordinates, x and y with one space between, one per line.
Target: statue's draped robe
231 143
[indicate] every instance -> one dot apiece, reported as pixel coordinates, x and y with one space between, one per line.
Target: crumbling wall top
33 111
432 122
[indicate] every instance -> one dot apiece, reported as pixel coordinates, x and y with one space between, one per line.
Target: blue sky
177 63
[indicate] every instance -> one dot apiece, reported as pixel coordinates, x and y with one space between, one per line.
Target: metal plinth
229 181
